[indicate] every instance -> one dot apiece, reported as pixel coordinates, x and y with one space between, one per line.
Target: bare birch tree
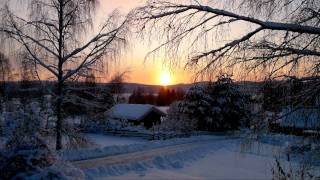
117 85
282 36
55 34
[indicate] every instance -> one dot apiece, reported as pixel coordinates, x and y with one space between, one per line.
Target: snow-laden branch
96 52
185 27
179 8
264 24
37 59
92 41
228 45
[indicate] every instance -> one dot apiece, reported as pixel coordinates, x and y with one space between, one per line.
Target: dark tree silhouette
5 73
116 84
55 36
281 37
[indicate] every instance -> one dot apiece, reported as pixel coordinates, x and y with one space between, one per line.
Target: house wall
151 119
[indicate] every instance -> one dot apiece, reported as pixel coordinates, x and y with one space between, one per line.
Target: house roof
132 111
307 118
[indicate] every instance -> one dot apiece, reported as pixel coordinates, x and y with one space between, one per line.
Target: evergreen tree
273 96
216 107
197 105
228 108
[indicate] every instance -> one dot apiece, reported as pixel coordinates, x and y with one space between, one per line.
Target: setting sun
165 78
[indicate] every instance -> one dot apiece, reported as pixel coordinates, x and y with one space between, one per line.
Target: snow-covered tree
177 120
216 106
197 106
228 105
54 34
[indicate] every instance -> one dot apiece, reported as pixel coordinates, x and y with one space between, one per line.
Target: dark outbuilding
304 121
137 114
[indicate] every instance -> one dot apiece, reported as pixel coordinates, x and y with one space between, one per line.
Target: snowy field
202 157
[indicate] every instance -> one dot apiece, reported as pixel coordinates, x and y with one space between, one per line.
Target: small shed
137 114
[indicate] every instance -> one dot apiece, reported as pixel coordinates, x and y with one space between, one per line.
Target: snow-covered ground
222 164
202 157
238 156
91 153
219 159
2 142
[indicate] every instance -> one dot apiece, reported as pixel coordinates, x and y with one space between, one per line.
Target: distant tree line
164 97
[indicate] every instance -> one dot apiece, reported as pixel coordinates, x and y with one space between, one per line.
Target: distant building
298 122
137 114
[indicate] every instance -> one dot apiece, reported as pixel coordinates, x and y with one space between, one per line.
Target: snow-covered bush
289 171
73 138
23 155
27 156
177 120
30 158
115 124
24 121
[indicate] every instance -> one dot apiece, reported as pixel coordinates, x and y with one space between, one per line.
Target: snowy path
206 157
141 155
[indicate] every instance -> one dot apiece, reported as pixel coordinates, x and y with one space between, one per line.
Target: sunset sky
150 71
154 70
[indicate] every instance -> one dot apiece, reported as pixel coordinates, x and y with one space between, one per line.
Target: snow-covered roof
308 118
163 108
132 111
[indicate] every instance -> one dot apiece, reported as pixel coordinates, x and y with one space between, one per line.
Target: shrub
27 156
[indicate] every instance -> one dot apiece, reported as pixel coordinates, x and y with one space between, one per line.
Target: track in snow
141 155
